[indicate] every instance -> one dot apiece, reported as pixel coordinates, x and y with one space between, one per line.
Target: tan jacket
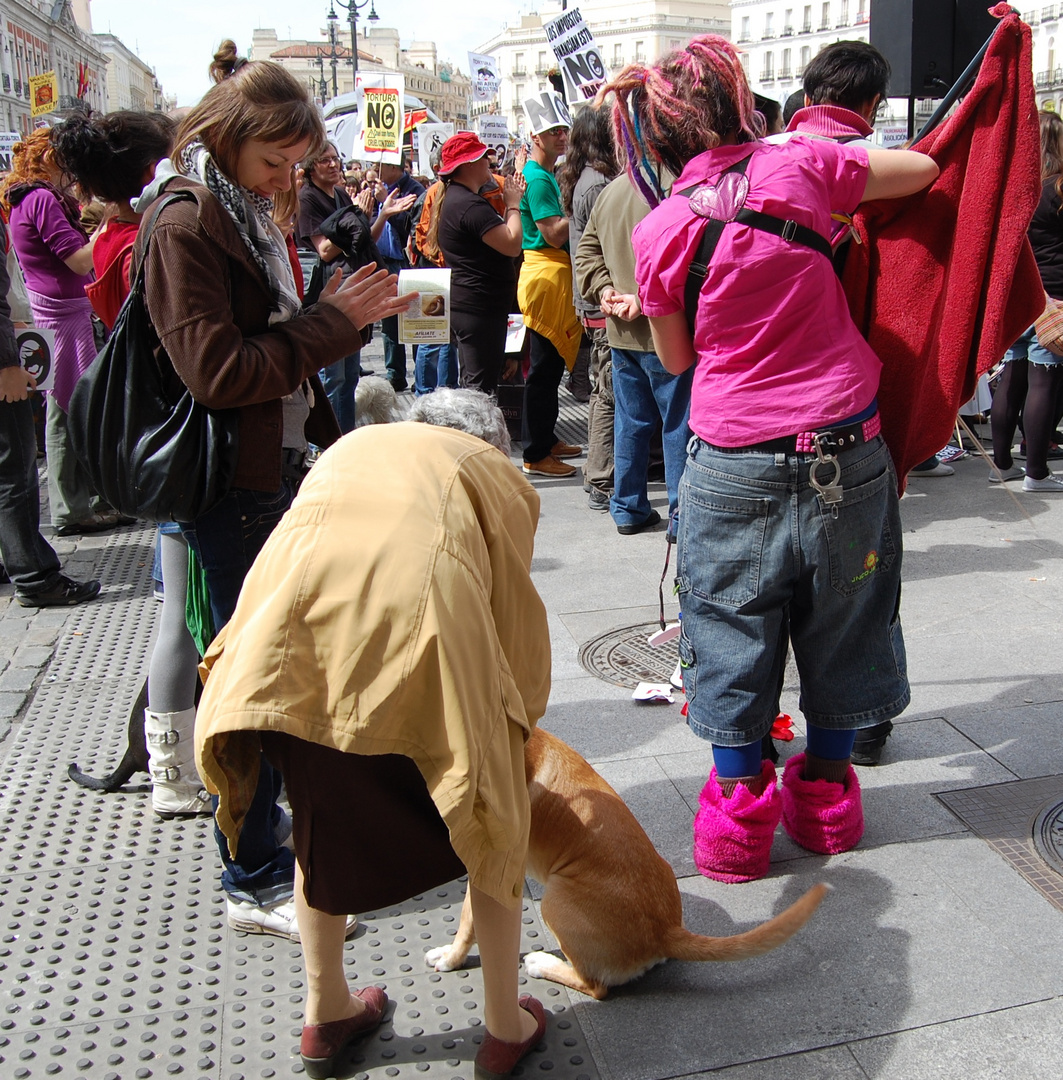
392 612
605 257
210 305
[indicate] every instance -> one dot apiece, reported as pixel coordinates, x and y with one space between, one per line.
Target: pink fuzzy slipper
820 816
732 837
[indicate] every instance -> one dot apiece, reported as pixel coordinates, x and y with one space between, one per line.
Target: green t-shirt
541 200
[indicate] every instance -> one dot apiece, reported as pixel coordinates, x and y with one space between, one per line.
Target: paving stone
31 656
19 678
10 704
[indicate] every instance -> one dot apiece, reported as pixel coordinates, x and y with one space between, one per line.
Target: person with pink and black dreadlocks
789 528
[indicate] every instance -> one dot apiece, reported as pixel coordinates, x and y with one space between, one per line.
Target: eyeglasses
330 161
555 132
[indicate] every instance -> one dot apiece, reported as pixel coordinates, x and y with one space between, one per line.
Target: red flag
418 116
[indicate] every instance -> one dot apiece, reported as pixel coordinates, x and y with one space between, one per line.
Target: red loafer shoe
322 1045
496 1059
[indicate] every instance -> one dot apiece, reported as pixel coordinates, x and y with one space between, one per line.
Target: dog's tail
126 767
689 946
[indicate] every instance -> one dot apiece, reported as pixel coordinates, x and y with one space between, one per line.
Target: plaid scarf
252 216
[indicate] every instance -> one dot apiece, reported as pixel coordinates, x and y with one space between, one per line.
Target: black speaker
928 43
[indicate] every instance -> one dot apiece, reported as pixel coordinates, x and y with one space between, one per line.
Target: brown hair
226 62
29 159
306 166
263 102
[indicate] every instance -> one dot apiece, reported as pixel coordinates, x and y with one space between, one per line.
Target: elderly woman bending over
390 656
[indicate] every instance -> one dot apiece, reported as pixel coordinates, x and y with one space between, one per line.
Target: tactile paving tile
1006 816
120 939
185 1044
435 1024
112 633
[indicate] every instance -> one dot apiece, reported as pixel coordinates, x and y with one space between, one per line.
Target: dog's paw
440 959
536 964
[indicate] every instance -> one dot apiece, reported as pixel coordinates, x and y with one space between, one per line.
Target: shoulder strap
148 229
706 249
789 230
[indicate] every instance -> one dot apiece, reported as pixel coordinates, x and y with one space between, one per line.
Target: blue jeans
434 366
762 560
340 381
394 351
227 538
30 561
642 392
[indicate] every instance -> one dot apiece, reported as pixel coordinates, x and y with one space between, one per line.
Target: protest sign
379 97
430 137
44 93
494 132
7 141
427 319
36 347
483 70
577 55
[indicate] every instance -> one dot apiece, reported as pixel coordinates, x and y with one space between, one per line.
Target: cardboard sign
36 348
44 93
7 141
427 319
379 101
485 77
494 132
430 137
546 110
893 136
579 59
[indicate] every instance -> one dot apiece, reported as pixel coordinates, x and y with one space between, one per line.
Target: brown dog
611 901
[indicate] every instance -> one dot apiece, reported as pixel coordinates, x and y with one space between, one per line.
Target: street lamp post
352 7
322 84
333 18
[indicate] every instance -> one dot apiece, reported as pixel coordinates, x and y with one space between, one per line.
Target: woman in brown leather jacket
222 299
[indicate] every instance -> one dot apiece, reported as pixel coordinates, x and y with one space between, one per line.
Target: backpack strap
788 230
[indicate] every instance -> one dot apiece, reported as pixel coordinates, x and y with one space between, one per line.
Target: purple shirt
43 237
777 352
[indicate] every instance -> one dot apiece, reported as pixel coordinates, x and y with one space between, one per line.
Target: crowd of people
377 637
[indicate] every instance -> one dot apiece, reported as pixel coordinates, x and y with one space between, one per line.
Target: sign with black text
579 59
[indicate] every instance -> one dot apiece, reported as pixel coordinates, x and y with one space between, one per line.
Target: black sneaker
867 750
598 500
66 592
631 530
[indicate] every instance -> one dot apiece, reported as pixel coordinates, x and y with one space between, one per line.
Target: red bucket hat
459 150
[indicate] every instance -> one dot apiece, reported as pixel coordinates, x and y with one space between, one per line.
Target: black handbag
150 449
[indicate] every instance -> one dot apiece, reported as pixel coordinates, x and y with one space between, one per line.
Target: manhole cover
623 657
1048 836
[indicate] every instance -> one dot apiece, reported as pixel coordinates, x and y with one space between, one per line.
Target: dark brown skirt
366 831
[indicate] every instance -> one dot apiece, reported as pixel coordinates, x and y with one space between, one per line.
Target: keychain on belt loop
830 493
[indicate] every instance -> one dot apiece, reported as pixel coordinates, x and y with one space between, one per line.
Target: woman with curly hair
55 254
789 529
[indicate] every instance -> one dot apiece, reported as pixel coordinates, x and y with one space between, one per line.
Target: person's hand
396 204
365 202
513 191
520 158
367 296
16 383
624 306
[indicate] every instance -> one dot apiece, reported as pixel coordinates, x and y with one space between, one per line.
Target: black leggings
481 340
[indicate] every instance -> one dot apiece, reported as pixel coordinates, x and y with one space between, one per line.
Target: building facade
625 31
37 36
1046 24
131 84
325 66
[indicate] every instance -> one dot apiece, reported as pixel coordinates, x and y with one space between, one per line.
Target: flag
418 116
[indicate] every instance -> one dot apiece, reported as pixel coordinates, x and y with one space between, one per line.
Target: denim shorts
1030 349
761 562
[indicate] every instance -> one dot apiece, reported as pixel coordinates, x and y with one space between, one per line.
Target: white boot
176 788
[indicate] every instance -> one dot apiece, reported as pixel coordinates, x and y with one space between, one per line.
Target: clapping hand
367 296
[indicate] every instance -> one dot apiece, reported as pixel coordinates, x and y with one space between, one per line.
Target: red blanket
944 281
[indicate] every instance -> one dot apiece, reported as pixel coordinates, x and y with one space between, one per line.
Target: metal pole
352 14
